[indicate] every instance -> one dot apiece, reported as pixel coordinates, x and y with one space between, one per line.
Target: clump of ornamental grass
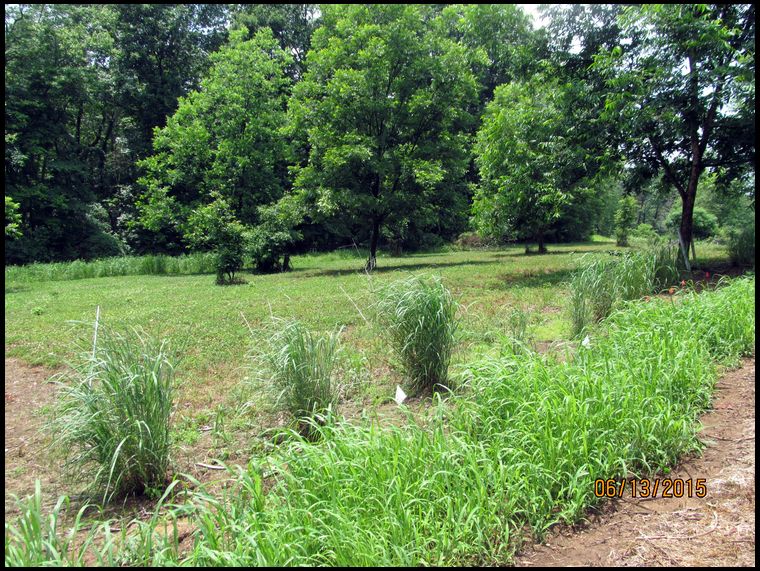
598 286
111 420
300 366
420 318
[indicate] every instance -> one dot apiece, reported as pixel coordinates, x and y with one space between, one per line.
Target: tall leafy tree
58 124
682 89
384 107
291 24
521 151
224 138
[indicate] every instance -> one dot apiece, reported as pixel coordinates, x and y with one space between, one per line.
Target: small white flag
400 395
586 341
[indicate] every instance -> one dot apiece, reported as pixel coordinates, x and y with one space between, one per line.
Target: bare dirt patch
26 458
717 530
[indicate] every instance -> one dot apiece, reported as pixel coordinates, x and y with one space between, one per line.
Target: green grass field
325 291
514 450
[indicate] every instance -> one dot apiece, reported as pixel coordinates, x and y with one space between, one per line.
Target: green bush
300 366
704 224
644 232
215 227
741 245
420 317
272 238
625 217
111 421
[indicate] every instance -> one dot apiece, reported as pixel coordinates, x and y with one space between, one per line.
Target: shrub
704 223
741 245
275 234
421 320
300 366
625 217
111 422
215 227
644 232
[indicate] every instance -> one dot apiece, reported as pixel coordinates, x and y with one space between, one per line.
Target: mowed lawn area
44 320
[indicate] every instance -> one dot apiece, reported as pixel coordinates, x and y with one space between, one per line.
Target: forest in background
267 130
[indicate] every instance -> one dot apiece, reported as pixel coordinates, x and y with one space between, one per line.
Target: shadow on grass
16 289
380 269
535 279
550 253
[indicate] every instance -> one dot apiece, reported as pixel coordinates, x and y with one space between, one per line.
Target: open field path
717 530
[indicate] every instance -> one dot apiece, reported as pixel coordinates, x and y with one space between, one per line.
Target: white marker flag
400 395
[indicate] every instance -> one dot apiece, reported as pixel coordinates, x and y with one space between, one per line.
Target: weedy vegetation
516 448
112 420
419 317
300 365
599 285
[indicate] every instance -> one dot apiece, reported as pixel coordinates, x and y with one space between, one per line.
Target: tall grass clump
111 421
300 365
598 286
420 317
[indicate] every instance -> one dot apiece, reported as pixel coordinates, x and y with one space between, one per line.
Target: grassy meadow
460 479
323 291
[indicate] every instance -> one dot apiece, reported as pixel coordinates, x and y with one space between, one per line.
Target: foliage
224 139
644 232
111 422
85 85
704 223
215 227
520 151
300 366
741 245
685 106
384 107
625 218
12 219
291 24
420 317
275 235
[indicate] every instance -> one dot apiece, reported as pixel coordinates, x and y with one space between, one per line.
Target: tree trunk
372 262
286 263
541 245
687 215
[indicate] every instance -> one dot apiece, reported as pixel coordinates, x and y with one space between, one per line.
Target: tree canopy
378 125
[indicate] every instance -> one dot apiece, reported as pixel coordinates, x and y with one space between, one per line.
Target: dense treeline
263 130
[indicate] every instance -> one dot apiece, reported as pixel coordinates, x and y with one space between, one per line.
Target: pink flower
683 283
707 275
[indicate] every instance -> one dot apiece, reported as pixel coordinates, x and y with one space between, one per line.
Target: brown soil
26 457
717 530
